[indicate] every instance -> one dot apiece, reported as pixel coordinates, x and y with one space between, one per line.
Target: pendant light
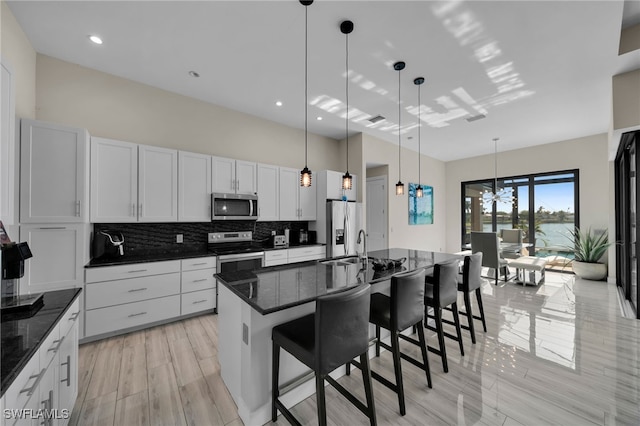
501 195
399 66
418 82
346 27
305 174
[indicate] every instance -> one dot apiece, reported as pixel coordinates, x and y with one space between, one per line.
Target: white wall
116 108
401 234
588 154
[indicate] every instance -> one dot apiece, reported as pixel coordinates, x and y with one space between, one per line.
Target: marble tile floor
556 354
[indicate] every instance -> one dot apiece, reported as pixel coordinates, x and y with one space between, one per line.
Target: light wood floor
559 353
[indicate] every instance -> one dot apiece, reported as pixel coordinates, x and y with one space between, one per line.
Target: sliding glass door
544 207
626 218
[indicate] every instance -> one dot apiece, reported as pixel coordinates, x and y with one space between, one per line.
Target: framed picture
420 209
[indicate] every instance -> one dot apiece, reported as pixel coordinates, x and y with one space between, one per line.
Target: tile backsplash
149 238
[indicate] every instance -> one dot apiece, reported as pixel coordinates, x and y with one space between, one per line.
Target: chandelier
501 195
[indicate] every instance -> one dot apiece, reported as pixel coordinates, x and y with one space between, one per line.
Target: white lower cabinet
49 381
128 315
303 254
198 290
276 257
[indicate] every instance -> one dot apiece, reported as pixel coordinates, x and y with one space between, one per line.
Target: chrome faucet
362 238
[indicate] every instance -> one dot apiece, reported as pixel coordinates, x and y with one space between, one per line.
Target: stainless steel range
235 251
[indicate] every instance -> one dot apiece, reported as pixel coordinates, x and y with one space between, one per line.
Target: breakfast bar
251 303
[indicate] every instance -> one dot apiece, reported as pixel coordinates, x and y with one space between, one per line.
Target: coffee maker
107 244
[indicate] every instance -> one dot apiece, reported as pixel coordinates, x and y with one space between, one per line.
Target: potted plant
588 248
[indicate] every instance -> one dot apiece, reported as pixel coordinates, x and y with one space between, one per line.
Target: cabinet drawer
275 255
109 273
198 301
198 263
120 317
318 252
110 293
50 346
24 385
70 318
306 258
198 280
276 262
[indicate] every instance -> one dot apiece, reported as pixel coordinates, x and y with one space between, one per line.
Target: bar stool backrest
446 282
341 327
407 299
472 272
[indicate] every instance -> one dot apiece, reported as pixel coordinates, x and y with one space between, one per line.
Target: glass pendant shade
399 188
419 191
305 177
347 181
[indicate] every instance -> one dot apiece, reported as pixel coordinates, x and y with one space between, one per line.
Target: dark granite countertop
21 338
132 258
276 288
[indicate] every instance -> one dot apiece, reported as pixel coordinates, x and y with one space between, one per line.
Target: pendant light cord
495 164
399 127
419 125
306 26
347 91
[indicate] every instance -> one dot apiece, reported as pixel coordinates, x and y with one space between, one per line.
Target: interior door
377 213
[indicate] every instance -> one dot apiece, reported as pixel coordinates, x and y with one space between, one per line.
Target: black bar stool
471 281
333 336
441 291
402 310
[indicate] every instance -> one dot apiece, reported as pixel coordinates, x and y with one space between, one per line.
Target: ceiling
539 71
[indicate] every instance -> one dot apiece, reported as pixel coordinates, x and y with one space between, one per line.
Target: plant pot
590 271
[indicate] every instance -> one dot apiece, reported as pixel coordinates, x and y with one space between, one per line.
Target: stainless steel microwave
234 207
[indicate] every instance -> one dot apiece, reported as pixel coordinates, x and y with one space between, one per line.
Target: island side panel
230 340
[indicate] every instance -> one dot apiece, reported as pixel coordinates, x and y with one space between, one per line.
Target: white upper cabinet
268 206
53 173
133 183
194 187
7 143
114 181
307 202
246 177
233 176
223 177
157 184
296 202
288 194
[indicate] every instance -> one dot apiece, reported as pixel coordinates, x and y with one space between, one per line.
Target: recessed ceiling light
319 118
95 39
194 74
278 103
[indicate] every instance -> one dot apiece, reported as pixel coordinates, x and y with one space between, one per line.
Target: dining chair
513 236
488 244
336 333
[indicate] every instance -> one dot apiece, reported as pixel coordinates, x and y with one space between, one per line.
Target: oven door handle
241 256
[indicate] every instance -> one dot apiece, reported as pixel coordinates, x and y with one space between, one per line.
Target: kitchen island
251 303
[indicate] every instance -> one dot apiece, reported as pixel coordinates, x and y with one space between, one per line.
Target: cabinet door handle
59 343
52 227
138 314
140 210
133 290
198 264
200 280
199 301
68 364
74 316
137 270
78 208
38 377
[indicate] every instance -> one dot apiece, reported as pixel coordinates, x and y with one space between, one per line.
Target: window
545 207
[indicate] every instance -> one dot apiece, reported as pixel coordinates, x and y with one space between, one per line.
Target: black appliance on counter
13 257
107 244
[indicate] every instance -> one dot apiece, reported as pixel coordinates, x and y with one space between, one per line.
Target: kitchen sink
343 261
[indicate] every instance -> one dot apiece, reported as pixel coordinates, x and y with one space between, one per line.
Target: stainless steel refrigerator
337 227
